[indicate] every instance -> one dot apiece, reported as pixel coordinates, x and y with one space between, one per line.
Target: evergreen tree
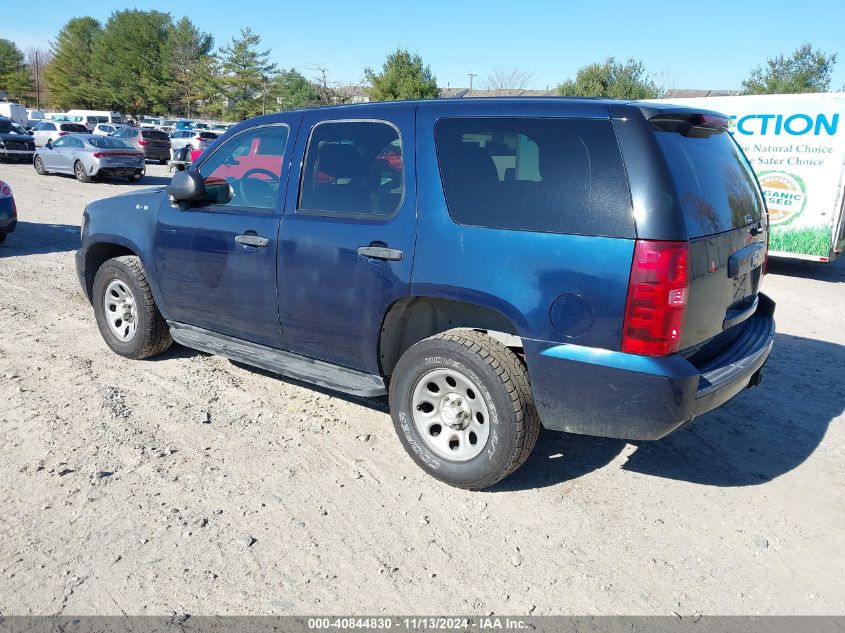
246 72
805 70
15 79
70 76
612 79
402 76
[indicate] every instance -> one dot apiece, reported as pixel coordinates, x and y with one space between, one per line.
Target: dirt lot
117 498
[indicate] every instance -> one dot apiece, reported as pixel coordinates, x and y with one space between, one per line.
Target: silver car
88 156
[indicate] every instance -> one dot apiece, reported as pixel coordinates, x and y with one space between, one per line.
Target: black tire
80 173
152 336
504 386
2 236
135 177
39 166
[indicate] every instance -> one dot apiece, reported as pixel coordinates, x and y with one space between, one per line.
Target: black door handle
380 252
252 240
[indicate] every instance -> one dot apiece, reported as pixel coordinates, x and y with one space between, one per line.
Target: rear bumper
156 153
126 170
613 394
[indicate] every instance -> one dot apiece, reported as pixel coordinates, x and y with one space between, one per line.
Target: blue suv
491 264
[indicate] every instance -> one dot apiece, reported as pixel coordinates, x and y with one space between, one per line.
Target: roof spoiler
690 122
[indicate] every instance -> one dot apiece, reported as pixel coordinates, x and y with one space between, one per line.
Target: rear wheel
126 313
80 173
136 176
462 407
39 166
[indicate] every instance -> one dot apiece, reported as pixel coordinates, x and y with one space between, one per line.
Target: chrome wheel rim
80 170
120 310
450 414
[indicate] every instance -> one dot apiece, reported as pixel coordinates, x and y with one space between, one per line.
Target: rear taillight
657 298
5 190
143 142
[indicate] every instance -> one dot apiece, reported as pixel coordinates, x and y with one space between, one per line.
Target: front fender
128 222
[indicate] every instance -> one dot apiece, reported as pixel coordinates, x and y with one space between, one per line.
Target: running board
280 362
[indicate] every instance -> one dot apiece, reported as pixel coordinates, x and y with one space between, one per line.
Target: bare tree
509 83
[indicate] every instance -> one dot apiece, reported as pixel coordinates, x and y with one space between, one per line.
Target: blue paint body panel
311 293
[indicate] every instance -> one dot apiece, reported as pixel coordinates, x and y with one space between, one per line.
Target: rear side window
715 185
535 174
353 168
74 127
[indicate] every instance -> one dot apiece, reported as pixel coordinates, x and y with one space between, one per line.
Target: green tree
15 79
246 72
402 76
805 70
127 60
290 90
70 77
616 80
186 55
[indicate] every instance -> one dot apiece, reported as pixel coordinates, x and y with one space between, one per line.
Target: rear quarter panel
518 273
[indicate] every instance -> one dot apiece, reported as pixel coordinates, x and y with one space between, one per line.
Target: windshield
716 186
10 127
108 142
155 134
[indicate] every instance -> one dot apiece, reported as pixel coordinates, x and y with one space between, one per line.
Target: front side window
353 167
63 141
247 169
534 174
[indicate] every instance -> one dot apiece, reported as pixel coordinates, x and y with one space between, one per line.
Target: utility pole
37 82
471 77
264 95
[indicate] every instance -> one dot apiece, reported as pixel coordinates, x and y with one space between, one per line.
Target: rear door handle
252 240
380 252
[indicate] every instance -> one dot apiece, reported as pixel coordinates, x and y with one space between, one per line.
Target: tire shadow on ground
761 434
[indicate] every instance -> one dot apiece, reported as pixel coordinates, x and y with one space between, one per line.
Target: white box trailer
796 144
14 111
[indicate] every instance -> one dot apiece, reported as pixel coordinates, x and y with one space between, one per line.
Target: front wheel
462 407
80 173
126 313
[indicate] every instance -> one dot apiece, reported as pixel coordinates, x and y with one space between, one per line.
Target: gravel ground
119 498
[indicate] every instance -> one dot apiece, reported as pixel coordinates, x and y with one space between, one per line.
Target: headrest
340 160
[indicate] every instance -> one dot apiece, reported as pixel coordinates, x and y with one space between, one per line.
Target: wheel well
96 256
411 320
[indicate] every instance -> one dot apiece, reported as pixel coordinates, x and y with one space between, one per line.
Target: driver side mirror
186 186
49 144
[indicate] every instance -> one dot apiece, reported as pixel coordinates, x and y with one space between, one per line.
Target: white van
90 118
796 144
14 111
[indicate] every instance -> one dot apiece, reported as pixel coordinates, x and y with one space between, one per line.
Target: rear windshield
158 135
715 184
534 174
107 142
73 127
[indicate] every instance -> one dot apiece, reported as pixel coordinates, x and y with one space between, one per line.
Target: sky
713 44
